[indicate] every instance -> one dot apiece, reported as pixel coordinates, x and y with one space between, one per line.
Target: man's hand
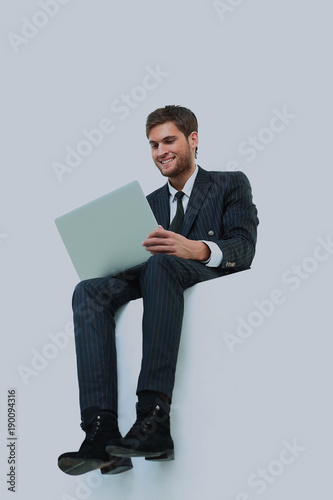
168 242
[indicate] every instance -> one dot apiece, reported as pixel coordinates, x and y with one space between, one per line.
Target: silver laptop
104 237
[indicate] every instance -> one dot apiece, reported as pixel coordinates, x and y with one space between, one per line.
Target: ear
193 139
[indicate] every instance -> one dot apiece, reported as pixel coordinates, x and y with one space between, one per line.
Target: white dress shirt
216 255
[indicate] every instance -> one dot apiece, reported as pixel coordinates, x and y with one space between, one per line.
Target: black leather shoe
92 454
149 437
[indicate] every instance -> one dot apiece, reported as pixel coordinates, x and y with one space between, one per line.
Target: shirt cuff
216 255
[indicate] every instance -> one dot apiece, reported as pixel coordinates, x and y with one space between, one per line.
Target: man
212 233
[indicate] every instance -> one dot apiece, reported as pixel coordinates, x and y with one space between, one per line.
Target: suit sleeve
238 225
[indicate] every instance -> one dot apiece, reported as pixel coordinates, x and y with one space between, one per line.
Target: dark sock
151 398
89 413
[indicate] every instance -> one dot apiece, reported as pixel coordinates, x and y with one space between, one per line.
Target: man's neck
180 181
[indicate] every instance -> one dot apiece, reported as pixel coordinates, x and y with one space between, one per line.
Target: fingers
160 232
157 233
162 241
157 242
165 250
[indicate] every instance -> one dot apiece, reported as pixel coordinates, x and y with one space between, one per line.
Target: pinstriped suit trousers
161 282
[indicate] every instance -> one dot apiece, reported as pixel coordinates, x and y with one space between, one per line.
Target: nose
161 150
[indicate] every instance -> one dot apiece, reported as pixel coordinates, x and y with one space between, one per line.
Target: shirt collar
187 189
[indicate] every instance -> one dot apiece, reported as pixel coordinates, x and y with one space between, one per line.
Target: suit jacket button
211 233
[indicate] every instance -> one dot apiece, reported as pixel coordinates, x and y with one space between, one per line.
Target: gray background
233 70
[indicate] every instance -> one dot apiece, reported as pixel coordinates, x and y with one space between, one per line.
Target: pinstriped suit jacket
220 209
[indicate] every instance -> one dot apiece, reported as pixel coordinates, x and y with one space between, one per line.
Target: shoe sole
118 451
76 467
118 466
168 455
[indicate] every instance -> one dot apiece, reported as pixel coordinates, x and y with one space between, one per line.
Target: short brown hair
182 117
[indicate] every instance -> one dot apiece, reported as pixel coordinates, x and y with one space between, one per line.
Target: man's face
172 152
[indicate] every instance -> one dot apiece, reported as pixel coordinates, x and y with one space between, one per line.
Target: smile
165 162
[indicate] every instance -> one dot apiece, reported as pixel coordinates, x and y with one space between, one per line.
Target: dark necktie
177 222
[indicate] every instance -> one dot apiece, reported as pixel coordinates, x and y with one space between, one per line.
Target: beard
183 164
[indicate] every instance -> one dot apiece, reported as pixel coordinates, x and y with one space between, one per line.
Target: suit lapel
200 189
161 207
